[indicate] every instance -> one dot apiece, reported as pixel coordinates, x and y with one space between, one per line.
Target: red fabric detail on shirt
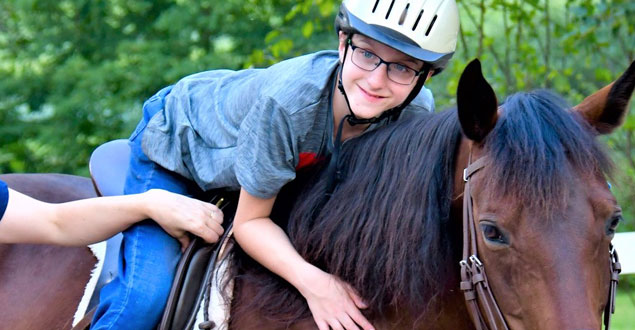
307 159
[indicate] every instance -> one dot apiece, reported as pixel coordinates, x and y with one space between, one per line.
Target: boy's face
372 92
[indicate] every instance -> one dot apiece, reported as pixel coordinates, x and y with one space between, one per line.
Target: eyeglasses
368 61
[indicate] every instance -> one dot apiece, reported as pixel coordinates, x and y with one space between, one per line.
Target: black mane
386 229
390 216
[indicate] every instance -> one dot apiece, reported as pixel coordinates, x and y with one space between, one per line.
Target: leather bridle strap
481 305
480 301
615 268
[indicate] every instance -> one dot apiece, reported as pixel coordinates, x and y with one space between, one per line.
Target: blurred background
74 73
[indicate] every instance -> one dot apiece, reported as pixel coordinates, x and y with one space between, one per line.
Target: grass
624 317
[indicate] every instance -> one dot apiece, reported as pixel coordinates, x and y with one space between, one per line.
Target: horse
41 286
392 227
541 212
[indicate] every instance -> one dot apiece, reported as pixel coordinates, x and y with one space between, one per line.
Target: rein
481 305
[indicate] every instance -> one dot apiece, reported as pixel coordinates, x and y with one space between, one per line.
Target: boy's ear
430 74
342 45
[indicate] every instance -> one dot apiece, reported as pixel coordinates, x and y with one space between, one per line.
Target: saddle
108 167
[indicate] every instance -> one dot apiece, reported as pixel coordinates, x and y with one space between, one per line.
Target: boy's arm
332 302
82 222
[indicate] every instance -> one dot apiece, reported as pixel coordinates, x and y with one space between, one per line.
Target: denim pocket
151 107
140 127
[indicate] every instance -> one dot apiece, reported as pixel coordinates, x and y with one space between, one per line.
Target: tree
77 71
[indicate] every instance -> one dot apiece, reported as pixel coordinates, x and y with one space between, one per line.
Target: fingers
358 318
206 221
359 302
344 321
209 231
185 242
354 313
177 214
347 323
214 224
335 325
331 324
342 312
322 325
334 303
216 214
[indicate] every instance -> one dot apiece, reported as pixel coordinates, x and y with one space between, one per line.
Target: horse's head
544 214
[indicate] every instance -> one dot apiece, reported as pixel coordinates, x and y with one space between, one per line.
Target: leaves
75 72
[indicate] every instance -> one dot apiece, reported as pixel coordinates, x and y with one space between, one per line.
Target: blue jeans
135 299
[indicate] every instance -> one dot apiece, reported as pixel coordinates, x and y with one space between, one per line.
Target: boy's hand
178 215
334 303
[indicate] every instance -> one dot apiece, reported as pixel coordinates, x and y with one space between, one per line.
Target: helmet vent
417 21
375 6
434 19
390 8
404 14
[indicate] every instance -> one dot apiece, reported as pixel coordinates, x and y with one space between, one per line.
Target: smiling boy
251 130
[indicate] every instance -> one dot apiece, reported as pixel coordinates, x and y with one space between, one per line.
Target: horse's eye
612 224
493 234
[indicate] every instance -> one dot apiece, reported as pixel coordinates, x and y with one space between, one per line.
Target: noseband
481 305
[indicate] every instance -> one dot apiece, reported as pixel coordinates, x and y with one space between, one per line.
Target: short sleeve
424 102
4 198
266 150
426 98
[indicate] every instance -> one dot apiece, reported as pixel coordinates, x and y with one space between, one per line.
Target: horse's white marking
99 251
219 309
624 243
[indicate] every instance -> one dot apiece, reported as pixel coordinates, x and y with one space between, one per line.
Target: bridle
481 305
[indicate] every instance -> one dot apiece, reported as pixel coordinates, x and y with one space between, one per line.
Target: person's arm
82 222
333 303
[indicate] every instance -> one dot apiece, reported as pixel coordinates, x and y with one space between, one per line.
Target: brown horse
393 230
543 213
41 285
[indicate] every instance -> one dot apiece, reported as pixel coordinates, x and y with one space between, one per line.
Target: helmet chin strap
393 113
334 173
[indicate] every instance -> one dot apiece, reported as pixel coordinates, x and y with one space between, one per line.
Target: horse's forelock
536 148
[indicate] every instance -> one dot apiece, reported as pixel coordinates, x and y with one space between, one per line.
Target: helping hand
178 214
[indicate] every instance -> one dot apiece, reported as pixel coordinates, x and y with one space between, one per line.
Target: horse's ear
476 102
605 109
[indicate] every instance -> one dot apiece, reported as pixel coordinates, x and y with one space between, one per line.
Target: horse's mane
385 228
537 147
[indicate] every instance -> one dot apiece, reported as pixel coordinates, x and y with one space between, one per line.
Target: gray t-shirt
249 128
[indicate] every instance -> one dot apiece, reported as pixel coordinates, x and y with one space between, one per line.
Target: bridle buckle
475 260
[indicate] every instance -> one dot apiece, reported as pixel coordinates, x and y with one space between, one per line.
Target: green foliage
75 72
573 47
624 318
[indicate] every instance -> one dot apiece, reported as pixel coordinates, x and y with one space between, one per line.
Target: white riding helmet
424 29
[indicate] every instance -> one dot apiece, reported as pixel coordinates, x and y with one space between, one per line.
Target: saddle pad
219 308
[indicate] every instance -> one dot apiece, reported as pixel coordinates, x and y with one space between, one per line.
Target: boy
251 129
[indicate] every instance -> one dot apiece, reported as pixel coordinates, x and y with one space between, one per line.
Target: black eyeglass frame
381 60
